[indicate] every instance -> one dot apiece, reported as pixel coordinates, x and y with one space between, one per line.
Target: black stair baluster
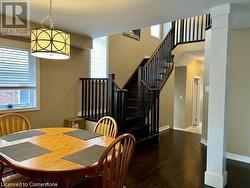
99 98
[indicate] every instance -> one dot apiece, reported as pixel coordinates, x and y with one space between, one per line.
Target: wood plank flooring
178 160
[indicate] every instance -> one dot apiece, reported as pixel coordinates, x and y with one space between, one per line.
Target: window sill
20 110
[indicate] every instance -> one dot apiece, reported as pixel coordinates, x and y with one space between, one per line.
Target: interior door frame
193 100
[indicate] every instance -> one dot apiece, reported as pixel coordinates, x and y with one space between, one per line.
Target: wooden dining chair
113 164
106 126
16 179
13 122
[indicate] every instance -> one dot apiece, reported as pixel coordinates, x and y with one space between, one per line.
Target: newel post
111 93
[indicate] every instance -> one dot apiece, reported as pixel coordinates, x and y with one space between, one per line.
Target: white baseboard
203 141
237 157
214 180
232 156
179 129
163 128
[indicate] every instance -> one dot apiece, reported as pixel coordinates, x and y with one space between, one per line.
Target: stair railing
119 104
159 63
153 75
190 29
102 97
150 104
95 98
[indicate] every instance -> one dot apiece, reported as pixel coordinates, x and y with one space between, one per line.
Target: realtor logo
15 18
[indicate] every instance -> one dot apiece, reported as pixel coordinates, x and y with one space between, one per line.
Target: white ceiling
188 56
104 17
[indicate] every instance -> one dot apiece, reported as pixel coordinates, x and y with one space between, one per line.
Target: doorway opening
188 97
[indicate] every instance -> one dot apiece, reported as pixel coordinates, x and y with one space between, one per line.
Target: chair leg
1 174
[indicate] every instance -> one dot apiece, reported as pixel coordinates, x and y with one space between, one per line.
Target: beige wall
180 97
167 102
238 139
238 130
126 53
183 92
59 86
194 69
60 94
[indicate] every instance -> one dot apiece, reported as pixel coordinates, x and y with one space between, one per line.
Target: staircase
136 106
134 119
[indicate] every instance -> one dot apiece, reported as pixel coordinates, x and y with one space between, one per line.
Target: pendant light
49 43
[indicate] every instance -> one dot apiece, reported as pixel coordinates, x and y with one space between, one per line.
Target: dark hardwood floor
178 160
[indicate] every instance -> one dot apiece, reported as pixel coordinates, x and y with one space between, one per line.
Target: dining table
55 154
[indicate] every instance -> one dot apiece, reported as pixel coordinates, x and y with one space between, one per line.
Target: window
18 82
166 28
155 31
99 58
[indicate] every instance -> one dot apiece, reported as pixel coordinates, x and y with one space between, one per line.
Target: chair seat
17 180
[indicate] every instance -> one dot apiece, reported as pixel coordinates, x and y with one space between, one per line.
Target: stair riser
132 103
134 122
131 113
140 133
133 95
133 89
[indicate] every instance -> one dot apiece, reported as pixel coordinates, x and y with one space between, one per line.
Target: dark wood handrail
159 46
118 87
149 88
93 78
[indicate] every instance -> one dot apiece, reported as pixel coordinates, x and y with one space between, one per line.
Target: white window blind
17 79
155 31
98 66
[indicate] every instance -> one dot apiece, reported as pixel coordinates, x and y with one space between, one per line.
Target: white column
216 175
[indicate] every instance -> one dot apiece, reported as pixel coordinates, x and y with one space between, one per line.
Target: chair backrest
13 122
113 164
106 126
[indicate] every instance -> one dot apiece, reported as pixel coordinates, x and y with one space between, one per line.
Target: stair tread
133 117
133 92
135 128
132 99
133 107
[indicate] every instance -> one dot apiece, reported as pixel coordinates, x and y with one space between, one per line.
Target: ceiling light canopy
50 43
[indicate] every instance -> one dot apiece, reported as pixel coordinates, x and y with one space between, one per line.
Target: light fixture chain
50 17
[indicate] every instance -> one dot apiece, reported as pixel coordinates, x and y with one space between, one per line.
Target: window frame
160 32
21 45
107 59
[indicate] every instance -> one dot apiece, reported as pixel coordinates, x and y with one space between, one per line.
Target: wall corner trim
236 157
163 128
203 141
178 129
232 156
